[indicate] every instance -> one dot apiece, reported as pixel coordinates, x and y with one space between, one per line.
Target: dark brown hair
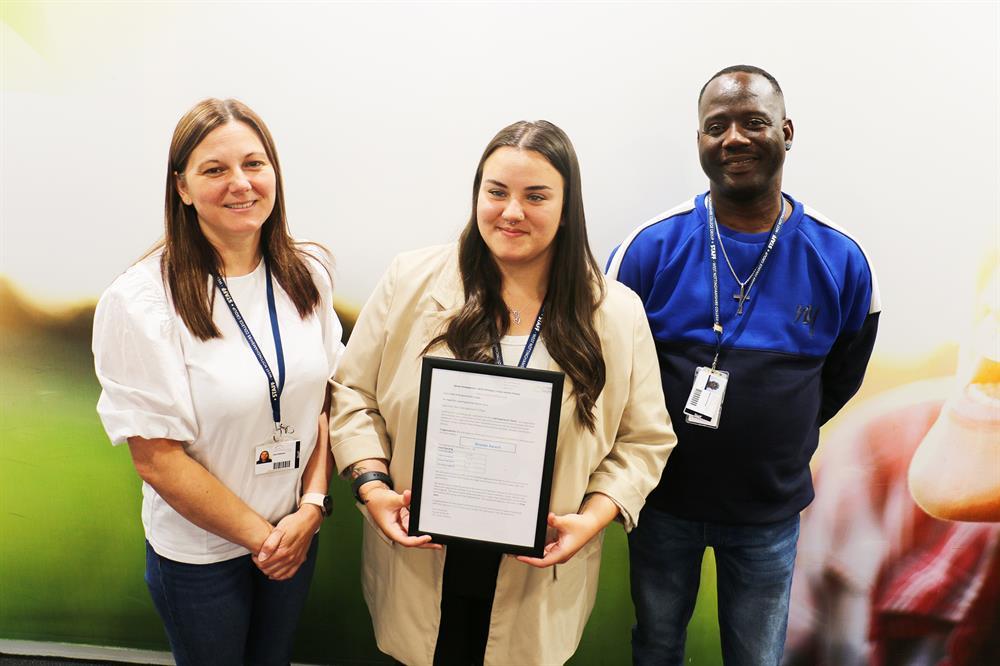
575 287
189 258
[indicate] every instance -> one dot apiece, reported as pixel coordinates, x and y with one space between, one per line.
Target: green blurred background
71 541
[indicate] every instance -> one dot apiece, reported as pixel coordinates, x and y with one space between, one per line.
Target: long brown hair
575 288
189 258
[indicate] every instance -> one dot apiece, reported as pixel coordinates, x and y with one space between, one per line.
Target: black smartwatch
365 478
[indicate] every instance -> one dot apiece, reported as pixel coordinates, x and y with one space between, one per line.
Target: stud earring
788 146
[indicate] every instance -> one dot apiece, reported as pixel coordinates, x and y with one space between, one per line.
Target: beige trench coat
538 614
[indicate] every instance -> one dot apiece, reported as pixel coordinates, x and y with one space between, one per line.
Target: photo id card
276 456
704 405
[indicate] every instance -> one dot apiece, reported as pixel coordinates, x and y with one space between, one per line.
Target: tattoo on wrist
357 469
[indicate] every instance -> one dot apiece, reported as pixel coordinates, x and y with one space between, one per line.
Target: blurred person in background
899 560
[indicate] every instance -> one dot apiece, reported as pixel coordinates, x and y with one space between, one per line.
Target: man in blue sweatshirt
764 314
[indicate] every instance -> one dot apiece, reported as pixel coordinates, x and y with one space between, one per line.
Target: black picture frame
556 379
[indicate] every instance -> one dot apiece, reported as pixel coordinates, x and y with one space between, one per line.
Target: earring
788 146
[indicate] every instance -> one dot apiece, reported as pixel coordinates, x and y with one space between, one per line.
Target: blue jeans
227 612
754 574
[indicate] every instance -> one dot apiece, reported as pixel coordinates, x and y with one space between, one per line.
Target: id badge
704 405
277 456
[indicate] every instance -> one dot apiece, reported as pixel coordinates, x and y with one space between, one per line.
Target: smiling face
741 135
230 182
519 207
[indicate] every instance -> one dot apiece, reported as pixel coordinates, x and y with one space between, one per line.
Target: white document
485 454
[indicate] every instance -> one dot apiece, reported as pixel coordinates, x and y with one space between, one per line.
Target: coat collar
447 293
446 299
446 289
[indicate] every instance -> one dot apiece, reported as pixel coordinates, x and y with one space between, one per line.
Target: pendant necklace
747 285
516 316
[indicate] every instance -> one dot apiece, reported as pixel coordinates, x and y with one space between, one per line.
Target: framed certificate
485 449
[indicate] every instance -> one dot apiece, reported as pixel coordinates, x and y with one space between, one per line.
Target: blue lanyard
713 228
274 388
529 346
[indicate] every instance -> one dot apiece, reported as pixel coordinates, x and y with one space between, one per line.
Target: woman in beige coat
525 246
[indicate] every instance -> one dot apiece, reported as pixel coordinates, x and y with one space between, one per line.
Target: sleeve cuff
628 500
362 447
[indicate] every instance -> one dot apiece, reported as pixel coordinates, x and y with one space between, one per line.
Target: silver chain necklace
745 285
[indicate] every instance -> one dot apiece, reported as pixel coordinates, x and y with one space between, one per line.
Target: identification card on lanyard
281 451
704 405
708 391
276 456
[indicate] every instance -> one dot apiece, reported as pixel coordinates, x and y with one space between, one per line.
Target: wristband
365 478
324 502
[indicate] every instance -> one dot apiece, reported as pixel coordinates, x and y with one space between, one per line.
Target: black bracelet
365 478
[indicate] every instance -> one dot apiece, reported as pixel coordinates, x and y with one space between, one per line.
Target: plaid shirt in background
939 603
877 580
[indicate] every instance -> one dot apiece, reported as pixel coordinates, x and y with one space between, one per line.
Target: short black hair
746 69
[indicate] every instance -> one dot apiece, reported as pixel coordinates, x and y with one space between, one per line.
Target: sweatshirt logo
807 315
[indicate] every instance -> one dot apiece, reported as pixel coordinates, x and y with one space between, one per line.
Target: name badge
277 456
704 405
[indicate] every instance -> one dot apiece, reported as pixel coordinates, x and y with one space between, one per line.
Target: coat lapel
446 299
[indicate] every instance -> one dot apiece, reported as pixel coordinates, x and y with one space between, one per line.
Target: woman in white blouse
211 350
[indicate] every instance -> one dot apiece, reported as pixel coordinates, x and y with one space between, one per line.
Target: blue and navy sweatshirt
795 357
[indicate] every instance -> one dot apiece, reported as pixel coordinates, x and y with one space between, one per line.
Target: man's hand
391 512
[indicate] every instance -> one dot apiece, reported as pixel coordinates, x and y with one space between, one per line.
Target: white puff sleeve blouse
140 362
160 381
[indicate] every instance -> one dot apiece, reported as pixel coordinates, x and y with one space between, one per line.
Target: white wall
380 113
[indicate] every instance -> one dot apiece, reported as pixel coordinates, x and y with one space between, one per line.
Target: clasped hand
286 547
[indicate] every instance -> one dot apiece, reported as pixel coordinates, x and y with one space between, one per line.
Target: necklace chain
732 270
760 264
